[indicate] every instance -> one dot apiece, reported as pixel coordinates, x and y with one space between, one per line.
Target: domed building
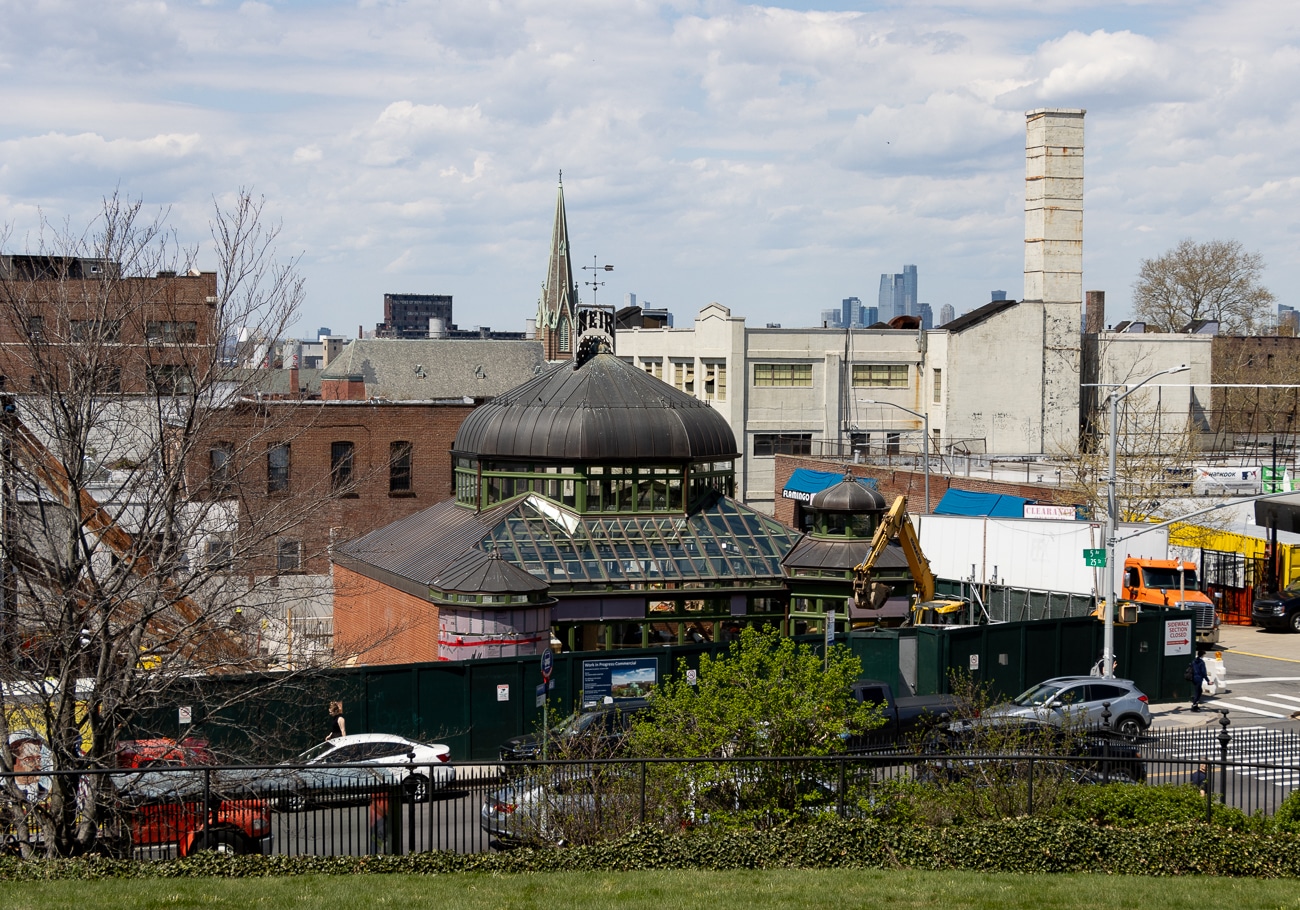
592 503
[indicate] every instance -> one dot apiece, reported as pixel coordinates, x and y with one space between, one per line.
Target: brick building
76 325
409 315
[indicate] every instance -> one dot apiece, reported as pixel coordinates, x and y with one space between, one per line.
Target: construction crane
869 594
184 619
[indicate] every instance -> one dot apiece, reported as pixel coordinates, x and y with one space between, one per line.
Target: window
715 380
654 366
169 379
218 553
684 376
341 454
782 443
938 386
277 469
288 555
83 330
880 375
783 374
563 331
35 328
399 467
221 468
171 332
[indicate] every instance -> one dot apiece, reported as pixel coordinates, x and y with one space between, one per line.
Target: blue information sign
548 663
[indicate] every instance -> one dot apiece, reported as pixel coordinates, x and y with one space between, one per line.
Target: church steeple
559 300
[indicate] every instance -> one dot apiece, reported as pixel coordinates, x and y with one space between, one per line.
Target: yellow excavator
870 594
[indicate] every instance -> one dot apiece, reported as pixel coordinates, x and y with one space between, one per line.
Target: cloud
775 159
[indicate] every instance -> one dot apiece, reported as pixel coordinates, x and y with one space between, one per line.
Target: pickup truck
903 715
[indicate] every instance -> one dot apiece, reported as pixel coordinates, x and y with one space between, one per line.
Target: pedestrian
1099 668
1199 676
1199 777
338 727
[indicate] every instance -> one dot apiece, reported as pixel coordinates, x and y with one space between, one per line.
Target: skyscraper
851 313
898 294
946 314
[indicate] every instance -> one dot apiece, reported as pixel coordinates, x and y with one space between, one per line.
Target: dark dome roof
849 495
603 410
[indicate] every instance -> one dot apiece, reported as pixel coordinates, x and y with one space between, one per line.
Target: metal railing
356 810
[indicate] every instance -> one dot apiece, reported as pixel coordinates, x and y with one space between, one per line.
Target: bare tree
1212 280
138 540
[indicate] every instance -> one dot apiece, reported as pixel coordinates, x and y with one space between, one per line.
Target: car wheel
1295 621
416 787
1130 726
221 842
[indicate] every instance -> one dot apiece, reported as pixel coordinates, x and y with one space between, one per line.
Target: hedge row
1016 845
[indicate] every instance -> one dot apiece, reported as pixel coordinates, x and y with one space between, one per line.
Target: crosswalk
1266 754
1275 705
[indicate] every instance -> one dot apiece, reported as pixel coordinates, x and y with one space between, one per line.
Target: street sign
1094 558
1178 637
541 695
185 714
548 663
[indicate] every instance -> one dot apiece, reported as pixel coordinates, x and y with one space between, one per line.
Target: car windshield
1293 589
1039 695
1168 578
579 724
315 752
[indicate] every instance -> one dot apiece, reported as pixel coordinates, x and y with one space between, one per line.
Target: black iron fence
355 810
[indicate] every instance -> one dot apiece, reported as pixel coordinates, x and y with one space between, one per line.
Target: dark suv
1279 610
604 728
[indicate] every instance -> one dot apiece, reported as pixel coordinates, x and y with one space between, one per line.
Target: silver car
1082 700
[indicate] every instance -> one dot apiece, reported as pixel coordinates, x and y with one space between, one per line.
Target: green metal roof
724 542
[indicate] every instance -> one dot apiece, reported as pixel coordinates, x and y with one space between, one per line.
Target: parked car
1088 756
374 761
1279 610
1081 700
605 729
903 715
567 804
163 752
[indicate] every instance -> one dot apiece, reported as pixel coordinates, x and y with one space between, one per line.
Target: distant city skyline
749 154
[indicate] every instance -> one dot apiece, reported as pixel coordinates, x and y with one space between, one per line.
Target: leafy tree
1212 280
768 696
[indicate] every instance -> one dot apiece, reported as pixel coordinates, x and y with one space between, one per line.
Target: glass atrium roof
724 542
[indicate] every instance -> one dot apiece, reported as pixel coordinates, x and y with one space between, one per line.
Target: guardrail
357 809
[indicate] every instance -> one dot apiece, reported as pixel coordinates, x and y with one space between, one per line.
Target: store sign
1053 513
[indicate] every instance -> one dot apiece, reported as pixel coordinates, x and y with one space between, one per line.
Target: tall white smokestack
1054 264
1054 205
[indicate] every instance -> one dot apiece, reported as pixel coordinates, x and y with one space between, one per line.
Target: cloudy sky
773 158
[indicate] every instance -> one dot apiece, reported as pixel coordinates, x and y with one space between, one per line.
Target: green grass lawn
824 890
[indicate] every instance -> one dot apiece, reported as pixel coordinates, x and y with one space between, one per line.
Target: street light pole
1112 519
925 442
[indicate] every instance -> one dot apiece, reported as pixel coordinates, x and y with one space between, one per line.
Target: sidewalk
1245 641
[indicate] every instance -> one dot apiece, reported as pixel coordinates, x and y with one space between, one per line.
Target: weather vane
593 283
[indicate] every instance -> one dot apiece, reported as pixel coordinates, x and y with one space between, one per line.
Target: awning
994 505
805 482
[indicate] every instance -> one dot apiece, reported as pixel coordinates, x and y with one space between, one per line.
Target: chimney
1054 205
1095 313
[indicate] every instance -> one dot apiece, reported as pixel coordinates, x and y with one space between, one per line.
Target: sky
774 159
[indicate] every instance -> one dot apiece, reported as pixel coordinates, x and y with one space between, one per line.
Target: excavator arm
867 593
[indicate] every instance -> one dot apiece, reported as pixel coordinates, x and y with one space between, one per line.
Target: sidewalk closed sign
1178 637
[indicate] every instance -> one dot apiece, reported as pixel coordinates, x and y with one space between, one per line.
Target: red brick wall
895 482
310 428
377 624
130 302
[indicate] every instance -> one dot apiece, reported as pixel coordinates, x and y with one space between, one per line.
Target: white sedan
421 767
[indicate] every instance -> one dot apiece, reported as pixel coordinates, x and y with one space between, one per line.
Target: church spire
559 300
